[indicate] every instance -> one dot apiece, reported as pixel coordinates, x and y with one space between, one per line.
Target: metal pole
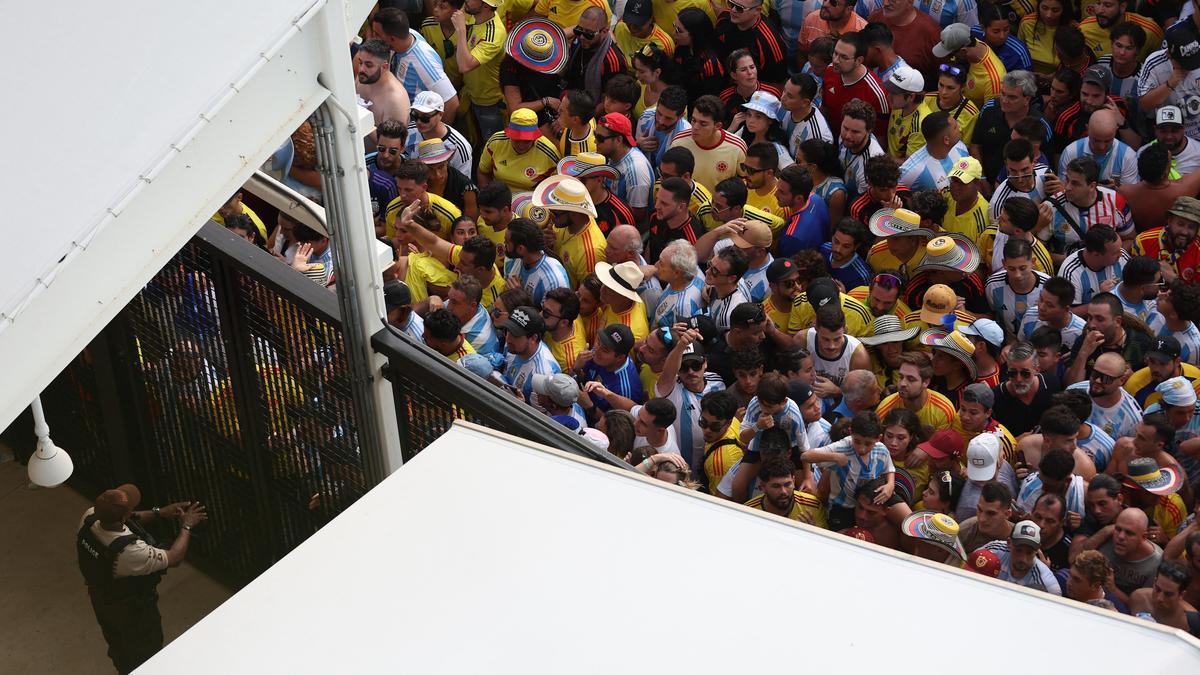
352 231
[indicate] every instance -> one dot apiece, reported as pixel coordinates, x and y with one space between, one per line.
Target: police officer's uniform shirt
137 559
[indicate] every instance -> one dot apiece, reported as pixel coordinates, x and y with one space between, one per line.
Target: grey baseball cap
954 37
559 387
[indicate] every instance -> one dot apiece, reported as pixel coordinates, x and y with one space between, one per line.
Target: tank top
833 369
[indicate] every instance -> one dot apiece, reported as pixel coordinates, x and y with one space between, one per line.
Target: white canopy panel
125 126
486 554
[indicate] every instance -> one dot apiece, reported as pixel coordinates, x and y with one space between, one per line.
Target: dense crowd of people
919 273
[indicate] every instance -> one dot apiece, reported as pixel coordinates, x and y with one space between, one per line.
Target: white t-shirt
670 445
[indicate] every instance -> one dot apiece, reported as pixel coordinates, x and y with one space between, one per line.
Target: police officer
122 566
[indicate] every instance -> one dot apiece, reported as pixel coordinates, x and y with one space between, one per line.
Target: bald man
1133 557
122 566
1118 161
624 245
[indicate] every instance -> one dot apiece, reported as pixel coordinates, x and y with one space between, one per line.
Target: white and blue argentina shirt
1120 420
1009 306
1086 280
544 276
519 372
924 172
1118 165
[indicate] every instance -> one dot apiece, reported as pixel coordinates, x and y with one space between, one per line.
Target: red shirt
1150 243
914 43
835 95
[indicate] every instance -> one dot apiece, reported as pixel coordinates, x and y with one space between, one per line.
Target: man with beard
1162 363
594 57
1071 123
1049 513
1114 411
1096 29
1025 388
848 78
685 381
1175 245
1141 279
934 410
1169 133
1151 198
1164 601
659 123
381 181
831 18
780 496
1082 204
479 50
377 86
1019 562
1106 333
722 451
414 61
428 121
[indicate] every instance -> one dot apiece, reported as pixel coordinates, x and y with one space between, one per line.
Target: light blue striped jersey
673 305
1191 466
924 172
1008 306
1086 280
545 275
1099 446
1146 310
1031 489
791 19
687 428
519 371
854 165
420 69
1120 420
1039 577
812 126
635 178
1070 334
755 279
480 332
830 185
1189 342
1119 164
645 127
844 480
819 77
415 326
789 419
1005 190
885 73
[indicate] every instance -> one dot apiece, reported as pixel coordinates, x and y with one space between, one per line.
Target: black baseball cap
747 314
617 337
524 321
693 352
821 292
396 294
704 324
638 12
1166 348
779 269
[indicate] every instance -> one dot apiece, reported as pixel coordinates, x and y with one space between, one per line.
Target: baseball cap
939 301
747 314
693 352
477 364
821 292
799 392
427 102
638 12
1098 75
943 444
617 337
524 321
780 268
1168 114
967 169
983 452
619 124
954 37
756 233
985 562
560 388
1027 532
905 80
1183 44
1186 207
978 392
1166 348
704 324
117 503
987 329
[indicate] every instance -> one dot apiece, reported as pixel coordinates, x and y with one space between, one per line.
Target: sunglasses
1104 378
387 151
953 70
749 170
691 367
738 9
583 33
1013 373
714 425
424 119
546 314
600 138
788 283
888 281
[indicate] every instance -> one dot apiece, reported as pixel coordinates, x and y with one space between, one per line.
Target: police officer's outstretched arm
192 515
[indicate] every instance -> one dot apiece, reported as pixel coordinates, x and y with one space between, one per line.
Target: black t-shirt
1014 414
991 134
533 85
456 186
1057 554
1137 343
661 235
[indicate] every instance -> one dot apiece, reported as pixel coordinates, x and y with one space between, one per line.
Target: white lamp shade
50 466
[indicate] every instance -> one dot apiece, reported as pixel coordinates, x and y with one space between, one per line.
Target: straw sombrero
960 347
523 207
887 328
938 529
897 223
563 193
587 165
1145 472
952 252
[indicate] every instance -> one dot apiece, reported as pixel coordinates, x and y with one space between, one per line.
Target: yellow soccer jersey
665 11
880 257
858 317
445 211
635 318
567 351
904 133
860 294
579 253
1041 257
423 270
463 349
983 79
778 315
937 413
648 377
630 44
249 213
520 172
486 40
713 163
719 457
970 224
766 203
1008 444
568 146
493 290
966 113
1100 42
566 12
444 45
805 507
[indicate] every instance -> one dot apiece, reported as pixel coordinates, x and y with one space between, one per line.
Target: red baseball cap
984 562
859 533
943 444
619 124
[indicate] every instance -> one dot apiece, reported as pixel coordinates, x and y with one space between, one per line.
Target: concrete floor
48 622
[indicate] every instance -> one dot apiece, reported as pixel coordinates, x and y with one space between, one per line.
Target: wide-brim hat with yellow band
1146 474
952 252
938 529
564 193
587 165
523 207
960 347
538 44
897 223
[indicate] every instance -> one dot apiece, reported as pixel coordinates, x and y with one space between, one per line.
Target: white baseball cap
1168 114
983 452
905 80
427 102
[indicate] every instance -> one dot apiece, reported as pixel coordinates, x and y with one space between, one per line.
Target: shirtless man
378 87
1150 199
1164 600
